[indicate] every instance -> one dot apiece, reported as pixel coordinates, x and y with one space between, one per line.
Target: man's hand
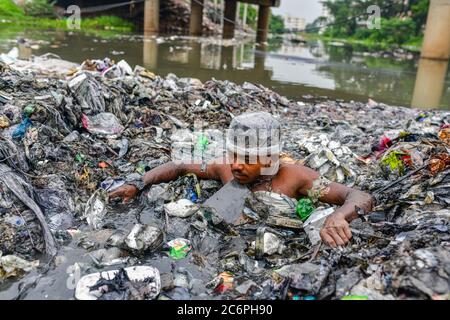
336 231
126 192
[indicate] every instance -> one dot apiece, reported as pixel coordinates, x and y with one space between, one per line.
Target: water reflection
25 51
293 70
150 54
430 83
210 57
205 60
317 70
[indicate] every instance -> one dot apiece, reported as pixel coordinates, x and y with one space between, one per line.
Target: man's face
244 169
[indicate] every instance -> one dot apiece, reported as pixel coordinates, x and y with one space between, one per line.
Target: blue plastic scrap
20 131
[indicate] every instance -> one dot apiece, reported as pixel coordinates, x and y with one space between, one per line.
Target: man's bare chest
277 184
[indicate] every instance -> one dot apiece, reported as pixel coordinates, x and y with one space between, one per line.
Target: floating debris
96 126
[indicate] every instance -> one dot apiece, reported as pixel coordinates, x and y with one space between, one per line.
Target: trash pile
67 139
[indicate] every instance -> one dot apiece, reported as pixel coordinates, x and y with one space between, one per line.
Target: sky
308 9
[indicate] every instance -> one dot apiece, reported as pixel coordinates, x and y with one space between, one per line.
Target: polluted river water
308 71
346 129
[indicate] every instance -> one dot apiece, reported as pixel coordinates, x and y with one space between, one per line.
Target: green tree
419 11
39 8
276 24
394 31
344 20
401 21
317 25
252 15
9 9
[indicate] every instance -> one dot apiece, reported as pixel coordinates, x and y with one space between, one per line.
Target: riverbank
108 23
369 45
12 15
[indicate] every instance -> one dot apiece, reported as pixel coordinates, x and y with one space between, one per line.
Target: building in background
294 23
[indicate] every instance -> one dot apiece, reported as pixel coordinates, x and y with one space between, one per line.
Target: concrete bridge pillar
436 43
229 19
263 23
430 79
151 17
196 22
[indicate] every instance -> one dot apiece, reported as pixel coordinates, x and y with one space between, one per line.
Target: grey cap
254 134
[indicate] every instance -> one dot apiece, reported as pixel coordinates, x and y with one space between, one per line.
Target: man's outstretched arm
172 170
336 230
166 173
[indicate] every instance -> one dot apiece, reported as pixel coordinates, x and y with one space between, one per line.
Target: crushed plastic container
179 248
314 224
139 273
182 208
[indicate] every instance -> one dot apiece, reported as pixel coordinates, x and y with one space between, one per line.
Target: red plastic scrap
85 121
102 165
226 282
382 146
407 159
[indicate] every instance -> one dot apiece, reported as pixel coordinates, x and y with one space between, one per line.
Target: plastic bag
20 131
102 124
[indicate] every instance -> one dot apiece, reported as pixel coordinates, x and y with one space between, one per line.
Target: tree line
402 21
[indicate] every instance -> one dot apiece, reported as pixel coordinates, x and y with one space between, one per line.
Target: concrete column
230 19
430 82
196 22
260 61
263 23
151 17
436 43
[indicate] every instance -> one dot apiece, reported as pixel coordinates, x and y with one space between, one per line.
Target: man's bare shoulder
301 174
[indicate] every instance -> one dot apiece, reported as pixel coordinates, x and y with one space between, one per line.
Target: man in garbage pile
253 150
